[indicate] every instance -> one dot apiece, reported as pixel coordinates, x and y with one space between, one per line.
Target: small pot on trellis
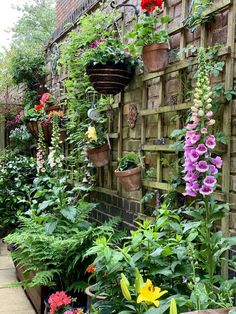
97 147
148 42
128 172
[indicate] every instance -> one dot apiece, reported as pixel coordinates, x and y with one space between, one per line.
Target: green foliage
197 15
145 33
19 136
57 258
16 179
129 161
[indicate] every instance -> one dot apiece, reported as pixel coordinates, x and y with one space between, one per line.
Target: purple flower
210 141
189 166
217 161
209 180
213 169
94 44
193 155
190 192
190 176
194 139
206 190
202 166
201 149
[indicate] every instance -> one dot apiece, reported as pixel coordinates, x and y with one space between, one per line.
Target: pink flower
191 126
206 190
190 176
189 166
193 155
190 192
201 149
194 139
210 141
209 114
217 161
202 166
213 169
68 312
209 180
203 130
44 98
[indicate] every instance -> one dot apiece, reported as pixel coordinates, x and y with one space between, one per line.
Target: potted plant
129 172
148 41
97 148
31 117
109 66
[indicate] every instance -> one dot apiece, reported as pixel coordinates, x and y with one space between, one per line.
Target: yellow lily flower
91 134
150 294
124 284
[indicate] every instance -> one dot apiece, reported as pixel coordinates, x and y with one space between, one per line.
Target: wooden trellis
227 52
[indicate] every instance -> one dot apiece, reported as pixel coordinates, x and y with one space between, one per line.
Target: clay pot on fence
130 179
109 78
99 156
155 56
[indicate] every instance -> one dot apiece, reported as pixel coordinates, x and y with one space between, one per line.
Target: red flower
150 5
91 269
39 107
57 300
44 98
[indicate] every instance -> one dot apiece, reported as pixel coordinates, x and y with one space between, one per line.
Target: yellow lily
173 306
91 134
150 294
124 284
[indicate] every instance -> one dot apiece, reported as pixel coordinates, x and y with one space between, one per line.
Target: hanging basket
130 179
47 132
109 78
52 108
155 56
99 156
32 127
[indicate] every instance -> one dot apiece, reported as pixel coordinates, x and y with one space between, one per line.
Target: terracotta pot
155 56
110 78
32 127
99 156
130 179
92 297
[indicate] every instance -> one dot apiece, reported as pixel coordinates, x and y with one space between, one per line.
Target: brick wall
64 8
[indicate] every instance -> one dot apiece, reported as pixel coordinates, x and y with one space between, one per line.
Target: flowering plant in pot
101 52
31 116
61 303
147 40
129 172
97 148
110 67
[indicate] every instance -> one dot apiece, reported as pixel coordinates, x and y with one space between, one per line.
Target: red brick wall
64 8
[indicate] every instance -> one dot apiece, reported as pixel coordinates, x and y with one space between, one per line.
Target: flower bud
200 113
211 122
208 106
124 284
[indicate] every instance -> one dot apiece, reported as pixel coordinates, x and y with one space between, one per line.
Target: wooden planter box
36 295
212 311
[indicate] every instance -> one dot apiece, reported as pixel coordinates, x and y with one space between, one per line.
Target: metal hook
114 6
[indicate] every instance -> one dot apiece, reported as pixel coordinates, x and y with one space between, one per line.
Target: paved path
12 300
